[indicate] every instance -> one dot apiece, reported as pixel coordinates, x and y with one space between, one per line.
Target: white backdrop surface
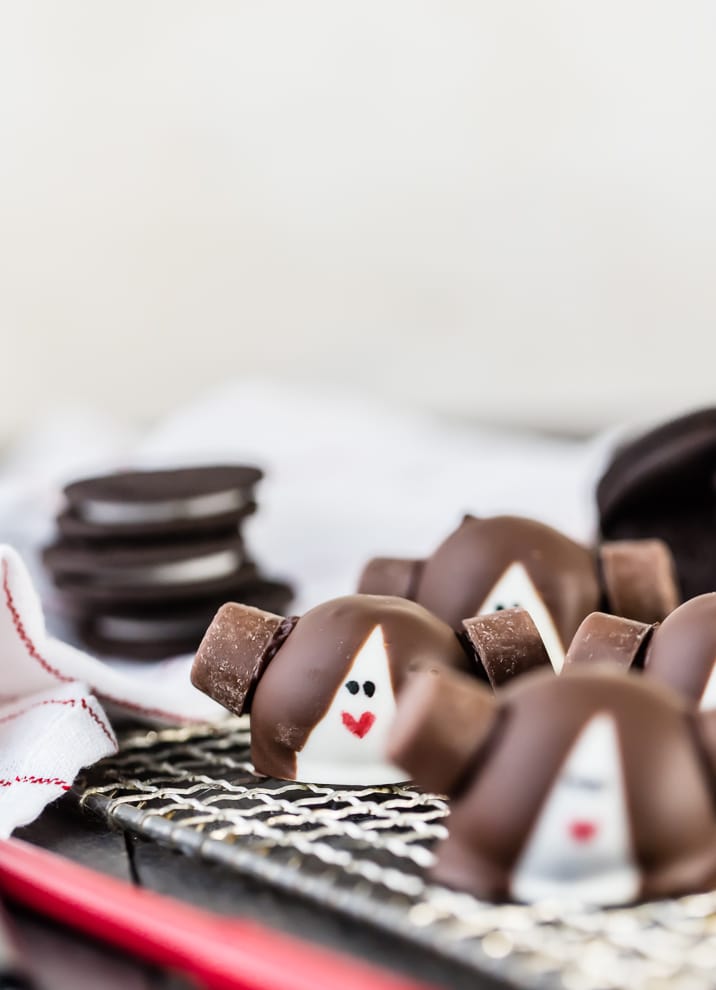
501 210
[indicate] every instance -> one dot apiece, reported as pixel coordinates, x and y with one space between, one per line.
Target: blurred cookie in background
160 504
663 485
144 559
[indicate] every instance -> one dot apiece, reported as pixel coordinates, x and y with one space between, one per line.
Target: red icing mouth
358 726
582 831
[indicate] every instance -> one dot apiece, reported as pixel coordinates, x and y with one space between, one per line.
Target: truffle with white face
508 562
592 787
322 689
580 845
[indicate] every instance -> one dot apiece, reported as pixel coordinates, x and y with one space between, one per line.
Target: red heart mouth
358 726
582 831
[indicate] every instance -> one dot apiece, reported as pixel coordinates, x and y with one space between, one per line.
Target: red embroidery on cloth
95 717
35 654
20 629
38 704
31 779
64 701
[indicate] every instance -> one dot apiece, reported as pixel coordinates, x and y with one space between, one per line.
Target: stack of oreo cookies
144 559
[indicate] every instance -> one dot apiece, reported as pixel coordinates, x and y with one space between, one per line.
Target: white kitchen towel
53 720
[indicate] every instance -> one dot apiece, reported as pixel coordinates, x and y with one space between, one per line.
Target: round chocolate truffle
322 689
490 565
593 787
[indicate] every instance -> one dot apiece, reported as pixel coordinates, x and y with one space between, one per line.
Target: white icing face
580 847
348 744
515 589
708 698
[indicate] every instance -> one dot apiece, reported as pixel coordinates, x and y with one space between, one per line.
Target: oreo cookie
154 632
663 484
139 504
145 558
126 573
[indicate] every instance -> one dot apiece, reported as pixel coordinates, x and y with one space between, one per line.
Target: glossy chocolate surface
518 822
338 668
507 562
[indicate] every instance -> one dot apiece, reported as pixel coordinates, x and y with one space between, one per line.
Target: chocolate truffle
488 565
663 484
322 689
592 787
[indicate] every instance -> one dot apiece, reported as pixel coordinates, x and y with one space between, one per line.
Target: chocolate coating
639 579
682 651
233 654
479 559
605 638
290 688
679 652
507 644
504 795
663 484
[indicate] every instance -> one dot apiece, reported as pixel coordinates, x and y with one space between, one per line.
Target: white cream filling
210 567
133 630
107 513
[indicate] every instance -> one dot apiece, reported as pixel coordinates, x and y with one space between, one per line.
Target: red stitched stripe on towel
95 717
36 655
20 629
31 779
38 704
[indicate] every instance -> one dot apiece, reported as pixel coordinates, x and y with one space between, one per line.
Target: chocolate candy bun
663 485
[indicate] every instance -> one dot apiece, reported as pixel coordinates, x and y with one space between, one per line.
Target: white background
503 210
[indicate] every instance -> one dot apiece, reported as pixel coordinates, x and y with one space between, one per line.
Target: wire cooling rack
363 852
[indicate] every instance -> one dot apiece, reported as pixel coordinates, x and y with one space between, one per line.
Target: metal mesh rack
362 852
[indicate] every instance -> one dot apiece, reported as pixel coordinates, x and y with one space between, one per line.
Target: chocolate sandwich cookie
156 504
508 562
150 633
663 484
145 558
124 573
593 787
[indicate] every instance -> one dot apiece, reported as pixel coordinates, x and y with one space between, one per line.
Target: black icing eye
369 688
353 687
516 605
499 608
